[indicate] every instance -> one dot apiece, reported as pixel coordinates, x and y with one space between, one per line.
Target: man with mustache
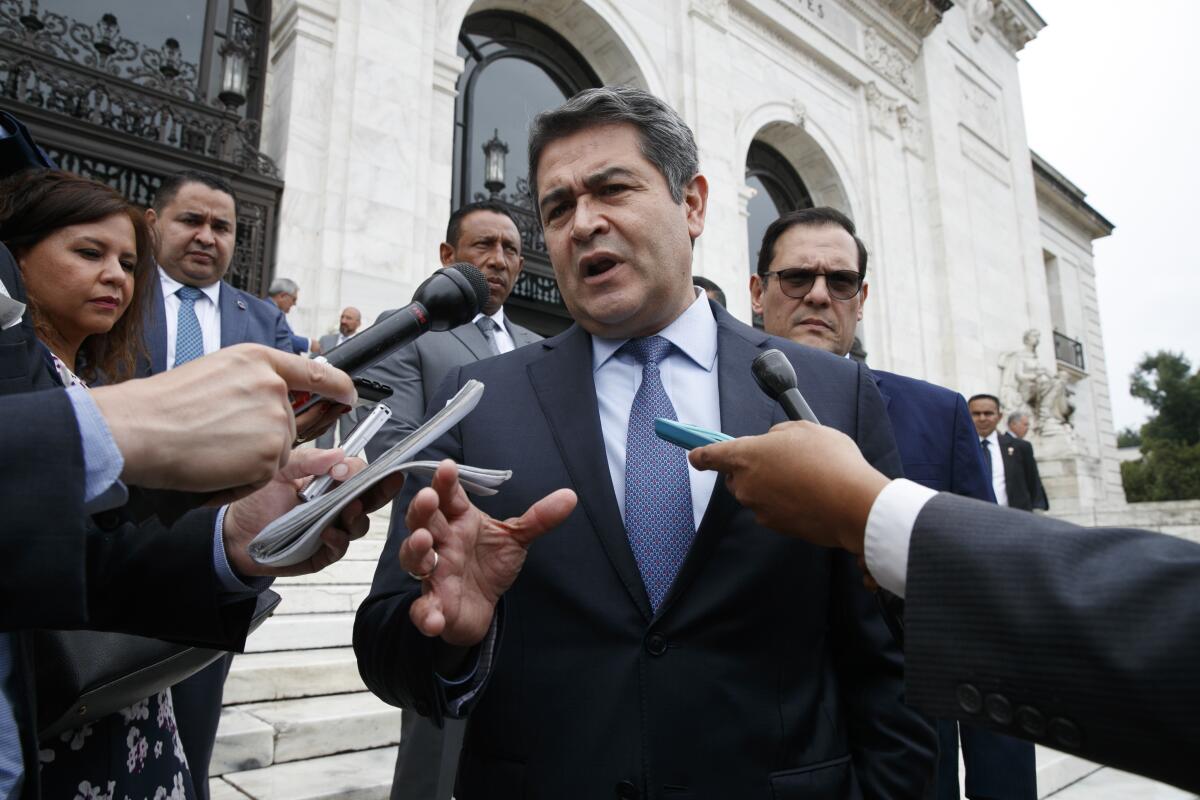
810 287
485 235
195 313
655 642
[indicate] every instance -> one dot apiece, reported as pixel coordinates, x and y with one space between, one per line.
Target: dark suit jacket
64 569
244 319
1021 478
1083 639
767 670
935 436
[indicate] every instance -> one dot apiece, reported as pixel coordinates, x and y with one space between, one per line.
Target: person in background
811 287
1018 424
284 293
1015 479
711 289
348 325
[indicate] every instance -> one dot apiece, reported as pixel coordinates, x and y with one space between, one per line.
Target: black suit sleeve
893 747
1037 493
64 569
1089 636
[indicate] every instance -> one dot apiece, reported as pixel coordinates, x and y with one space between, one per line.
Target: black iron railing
1069 351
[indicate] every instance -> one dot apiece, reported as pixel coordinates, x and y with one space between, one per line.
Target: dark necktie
189 340
487 326
987 455
658 492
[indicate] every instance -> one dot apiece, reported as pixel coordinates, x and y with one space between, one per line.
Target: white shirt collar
994 438
694 333
170 286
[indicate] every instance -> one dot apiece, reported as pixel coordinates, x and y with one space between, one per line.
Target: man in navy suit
810 287
658 642
195 313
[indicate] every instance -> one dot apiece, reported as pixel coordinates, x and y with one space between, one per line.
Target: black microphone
774 375
450 297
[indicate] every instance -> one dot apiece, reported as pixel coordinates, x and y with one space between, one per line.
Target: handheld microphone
774 375
450 297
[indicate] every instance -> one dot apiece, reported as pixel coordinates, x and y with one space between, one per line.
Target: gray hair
283 286
1016 417
666 140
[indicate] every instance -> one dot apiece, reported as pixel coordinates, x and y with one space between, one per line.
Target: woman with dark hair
85 256
86 260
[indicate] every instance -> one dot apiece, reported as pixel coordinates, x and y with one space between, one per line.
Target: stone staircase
297 722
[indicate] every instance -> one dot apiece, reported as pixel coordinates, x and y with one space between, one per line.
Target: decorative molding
1014 21
919 16
881 107
888 61
912 130
745 195
447 67
715 12
799 113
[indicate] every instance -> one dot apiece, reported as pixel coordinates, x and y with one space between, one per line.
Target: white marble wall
920 138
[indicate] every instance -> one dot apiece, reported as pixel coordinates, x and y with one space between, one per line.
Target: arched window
779 189
515 68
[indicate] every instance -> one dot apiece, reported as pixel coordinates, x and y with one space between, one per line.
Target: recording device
450 297
686 435
774 375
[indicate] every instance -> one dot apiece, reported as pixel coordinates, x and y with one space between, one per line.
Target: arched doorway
515 67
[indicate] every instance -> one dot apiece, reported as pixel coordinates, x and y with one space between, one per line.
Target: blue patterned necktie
658 493
189 340
487 326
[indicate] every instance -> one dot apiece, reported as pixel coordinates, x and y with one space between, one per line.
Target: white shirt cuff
889 531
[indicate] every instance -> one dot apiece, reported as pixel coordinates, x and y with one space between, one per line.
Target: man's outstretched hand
478 557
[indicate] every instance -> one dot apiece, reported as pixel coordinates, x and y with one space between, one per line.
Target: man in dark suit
194 313
485 235
810 287
1082 639
1015 478
658 643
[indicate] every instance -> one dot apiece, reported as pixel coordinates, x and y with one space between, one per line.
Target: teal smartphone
686 436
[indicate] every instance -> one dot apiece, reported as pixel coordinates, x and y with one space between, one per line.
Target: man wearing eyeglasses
810 287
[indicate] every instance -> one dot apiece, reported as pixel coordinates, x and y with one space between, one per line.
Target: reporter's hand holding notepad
296 535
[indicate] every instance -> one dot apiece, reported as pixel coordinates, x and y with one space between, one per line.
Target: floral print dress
134 754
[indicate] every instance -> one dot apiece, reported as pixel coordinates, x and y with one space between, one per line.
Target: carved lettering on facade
981 112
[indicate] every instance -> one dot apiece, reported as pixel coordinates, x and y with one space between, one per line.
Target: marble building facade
906 114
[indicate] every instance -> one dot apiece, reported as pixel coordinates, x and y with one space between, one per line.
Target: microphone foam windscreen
478 283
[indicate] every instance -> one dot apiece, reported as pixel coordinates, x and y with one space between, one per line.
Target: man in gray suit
483 234
348 325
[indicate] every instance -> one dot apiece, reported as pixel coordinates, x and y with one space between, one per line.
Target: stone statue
1025 385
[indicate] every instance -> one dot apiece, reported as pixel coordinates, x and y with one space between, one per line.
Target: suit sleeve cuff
889 532
102 459
230 583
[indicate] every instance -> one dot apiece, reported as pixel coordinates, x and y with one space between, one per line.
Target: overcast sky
1112 100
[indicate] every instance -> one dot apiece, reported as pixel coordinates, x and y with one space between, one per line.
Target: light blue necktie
189 340
658 493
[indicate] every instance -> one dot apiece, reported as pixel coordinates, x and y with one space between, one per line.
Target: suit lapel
745 411
522 336
234 317
155 335
472 339
565 388
1013 472
881 385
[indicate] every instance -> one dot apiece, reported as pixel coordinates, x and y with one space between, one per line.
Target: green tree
1128 437
1170 465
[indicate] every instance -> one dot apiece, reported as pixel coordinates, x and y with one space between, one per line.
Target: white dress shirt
689 375
208 312
504 340
999 486
889 532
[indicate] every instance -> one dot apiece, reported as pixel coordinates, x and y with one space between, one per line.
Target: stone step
243 742
367 548
259 677
1057 770
219 789
312 727
310 599
346 571
302 632
365 775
